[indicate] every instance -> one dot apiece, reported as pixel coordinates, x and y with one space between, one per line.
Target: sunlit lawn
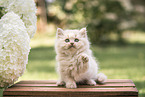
117 62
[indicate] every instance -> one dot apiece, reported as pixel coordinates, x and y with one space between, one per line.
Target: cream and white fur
75 63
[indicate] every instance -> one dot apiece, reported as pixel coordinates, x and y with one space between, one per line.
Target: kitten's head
72 40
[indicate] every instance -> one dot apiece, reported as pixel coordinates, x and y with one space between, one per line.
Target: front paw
85 58
71 85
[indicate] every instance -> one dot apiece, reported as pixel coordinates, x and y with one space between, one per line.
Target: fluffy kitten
75 60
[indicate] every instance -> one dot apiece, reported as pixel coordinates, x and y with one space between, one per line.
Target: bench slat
46 91
72 90
75 94
54 85
54 81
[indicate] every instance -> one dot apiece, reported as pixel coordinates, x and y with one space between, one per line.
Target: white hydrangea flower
26 9
14 48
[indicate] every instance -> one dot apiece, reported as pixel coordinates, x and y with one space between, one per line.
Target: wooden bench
48 88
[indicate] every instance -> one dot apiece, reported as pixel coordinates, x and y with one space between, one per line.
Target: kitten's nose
72 43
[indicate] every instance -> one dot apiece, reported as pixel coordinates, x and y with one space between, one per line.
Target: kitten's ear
59 32
83 32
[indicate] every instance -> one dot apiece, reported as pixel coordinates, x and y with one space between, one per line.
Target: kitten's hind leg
91 82
101 78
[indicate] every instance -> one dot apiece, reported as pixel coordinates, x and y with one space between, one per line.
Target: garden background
116 29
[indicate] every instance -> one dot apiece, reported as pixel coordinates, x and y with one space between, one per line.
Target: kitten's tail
101 78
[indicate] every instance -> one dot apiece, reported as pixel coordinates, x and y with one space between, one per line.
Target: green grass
117 62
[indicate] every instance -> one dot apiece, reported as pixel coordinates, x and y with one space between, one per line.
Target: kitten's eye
67 40
76 40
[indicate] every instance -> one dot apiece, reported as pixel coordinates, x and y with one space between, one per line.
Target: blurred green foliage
101 17
1 12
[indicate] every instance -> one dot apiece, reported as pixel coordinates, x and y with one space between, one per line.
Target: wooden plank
37 82
80 86
54 81
66 94
119 80
46 91
76 94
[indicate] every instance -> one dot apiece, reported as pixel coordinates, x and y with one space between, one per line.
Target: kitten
75 60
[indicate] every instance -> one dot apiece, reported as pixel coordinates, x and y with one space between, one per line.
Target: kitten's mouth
71 46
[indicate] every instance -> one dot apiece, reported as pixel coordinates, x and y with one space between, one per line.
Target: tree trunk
42 13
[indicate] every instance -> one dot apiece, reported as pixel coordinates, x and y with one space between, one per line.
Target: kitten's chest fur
70 65
69 61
